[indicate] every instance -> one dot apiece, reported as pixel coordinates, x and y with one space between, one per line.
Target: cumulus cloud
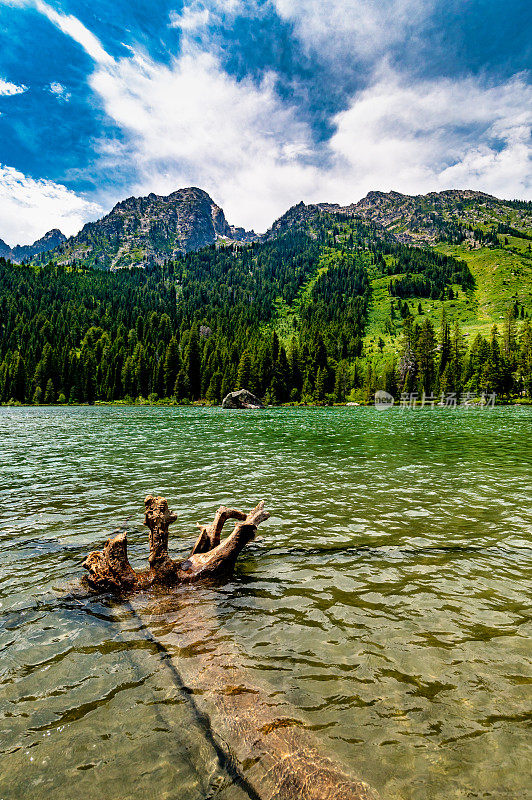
191 17
29 208
59 91
188 122
7 89
437 134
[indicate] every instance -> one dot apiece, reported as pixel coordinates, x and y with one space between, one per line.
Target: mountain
408 294
492 237
440 216
21 253
422 220
150 230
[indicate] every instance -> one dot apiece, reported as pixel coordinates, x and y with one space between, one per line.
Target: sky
262 103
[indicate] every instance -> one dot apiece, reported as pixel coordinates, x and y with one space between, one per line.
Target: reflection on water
387 599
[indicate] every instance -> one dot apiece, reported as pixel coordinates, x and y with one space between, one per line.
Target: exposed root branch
110 570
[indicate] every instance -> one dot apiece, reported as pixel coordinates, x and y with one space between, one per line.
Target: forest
198 327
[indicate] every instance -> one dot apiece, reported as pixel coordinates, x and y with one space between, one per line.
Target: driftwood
275 754
109 569
271 753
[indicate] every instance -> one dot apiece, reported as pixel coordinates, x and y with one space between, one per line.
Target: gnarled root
110 570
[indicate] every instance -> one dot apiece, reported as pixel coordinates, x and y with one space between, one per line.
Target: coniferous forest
285 318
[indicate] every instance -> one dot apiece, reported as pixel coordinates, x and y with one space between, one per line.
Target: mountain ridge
21 253
419 219
151 229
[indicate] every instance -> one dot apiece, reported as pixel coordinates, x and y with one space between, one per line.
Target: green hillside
503 278
328 307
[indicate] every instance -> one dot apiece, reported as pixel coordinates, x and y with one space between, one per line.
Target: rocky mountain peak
150 229
25 252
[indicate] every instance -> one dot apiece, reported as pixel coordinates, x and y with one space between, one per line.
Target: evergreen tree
193 364
445 342
425 356
321 379
407 368
49 396
525 357
18 385
244 371
172 365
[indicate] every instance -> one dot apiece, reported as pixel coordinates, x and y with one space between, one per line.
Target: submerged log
109 569
275 753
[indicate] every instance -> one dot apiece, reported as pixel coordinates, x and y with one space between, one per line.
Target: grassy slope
502 275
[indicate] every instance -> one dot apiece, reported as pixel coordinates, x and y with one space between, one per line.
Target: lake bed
387 598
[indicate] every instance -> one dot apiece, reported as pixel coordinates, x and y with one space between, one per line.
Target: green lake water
387 600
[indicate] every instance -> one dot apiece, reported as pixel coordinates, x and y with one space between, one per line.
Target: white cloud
191 123
29 208
59 91
71 26
188 122
7 89
191 18
436 134
364 28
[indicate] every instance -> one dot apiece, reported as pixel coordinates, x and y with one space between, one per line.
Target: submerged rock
242 399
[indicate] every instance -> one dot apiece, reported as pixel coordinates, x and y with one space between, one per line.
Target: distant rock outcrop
242 399
25 252
149 230
414 219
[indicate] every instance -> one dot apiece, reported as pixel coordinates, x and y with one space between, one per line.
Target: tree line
205 324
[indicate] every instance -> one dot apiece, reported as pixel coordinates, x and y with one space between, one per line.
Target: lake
387 599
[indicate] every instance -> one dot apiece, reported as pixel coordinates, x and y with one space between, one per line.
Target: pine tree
244 371
88 363
181 390
491 372
193 364
445 342
49 395
425 354
407 368
341 382
525 357
321 378
19 379
280 386
509 341
172 365
214 392
227 382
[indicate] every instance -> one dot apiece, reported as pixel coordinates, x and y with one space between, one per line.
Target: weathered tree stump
109 569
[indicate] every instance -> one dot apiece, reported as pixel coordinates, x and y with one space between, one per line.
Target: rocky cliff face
25 252
144 230
426 219
419 219
5 250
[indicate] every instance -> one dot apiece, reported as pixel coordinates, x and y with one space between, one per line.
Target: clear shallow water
387 601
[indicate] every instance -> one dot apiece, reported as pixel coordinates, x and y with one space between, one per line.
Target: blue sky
261 102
